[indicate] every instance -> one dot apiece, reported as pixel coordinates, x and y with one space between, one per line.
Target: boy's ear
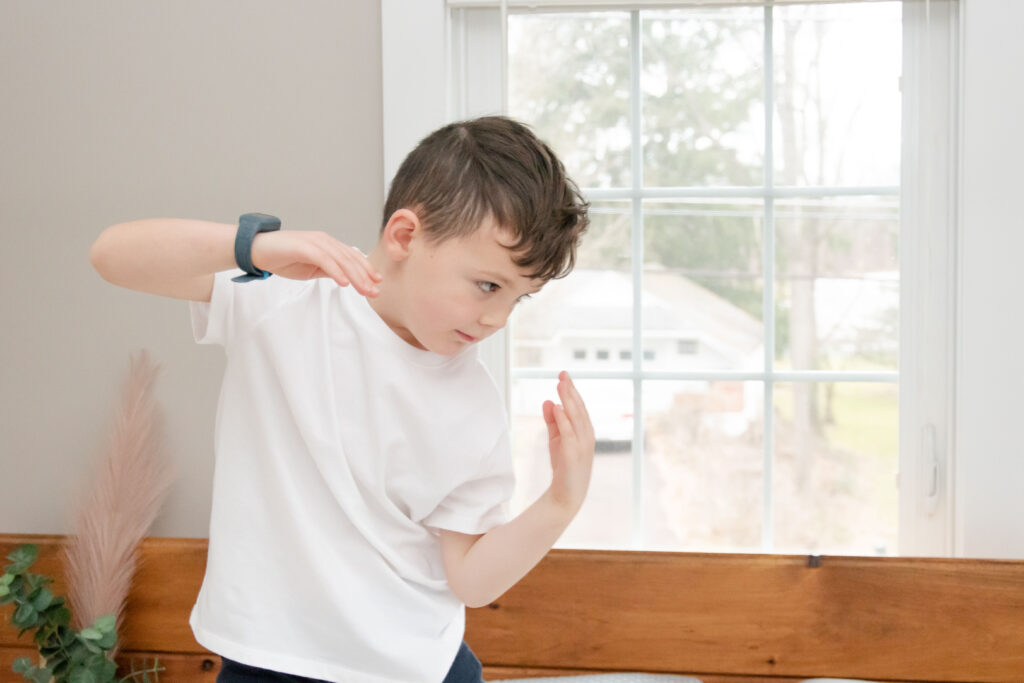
399 232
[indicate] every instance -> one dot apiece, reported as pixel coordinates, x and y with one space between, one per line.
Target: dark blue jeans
465 669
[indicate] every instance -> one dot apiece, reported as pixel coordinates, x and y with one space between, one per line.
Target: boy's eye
487 286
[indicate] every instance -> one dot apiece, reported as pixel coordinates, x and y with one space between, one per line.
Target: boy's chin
452 347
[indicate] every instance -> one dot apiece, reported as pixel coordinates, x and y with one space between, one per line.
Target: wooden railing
721 618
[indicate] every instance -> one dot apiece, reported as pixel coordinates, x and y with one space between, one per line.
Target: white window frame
442 62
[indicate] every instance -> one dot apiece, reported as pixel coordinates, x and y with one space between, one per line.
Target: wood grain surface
722 618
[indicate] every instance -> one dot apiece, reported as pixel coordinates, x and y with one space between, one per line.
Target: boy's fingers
565 429
584 413
548 409
358 269
328 266
356 266
575 406
571 400
360 277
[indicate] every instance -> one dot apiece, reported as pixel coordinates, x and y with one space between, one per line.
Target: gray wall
116 110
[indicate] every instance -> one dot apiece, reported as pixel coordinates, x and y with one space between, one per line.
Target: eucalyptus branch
67 655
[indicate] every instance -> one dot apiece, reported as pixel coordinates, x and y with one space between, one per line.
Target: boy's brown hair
494 166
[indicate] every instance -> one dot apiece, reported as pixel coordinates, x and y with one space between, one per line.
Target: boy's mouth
465 336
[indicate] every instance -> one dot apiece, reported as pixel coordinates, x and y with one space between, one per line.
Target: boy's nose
494 317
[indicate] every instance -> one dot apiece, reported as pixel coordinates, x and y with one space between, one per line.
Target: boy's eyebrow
497 277
501 280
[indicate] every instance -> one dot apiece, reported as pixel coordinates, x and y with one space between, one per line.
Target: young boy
362 466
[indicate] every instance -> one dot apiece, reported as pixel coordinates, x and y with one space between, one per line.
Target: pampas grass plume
130 485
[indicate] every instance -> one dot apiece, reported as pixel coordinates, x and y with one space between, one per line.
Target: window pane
570 320
835 468
837 94
837 283
703 467
703 97
569 79
606 518
703 284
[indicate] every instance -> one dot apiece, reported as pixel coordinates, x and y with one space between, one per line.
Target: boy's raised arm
500 558
173 257
177 257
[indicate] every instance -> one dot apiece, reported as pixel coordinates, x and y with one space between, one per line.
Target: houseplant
77 638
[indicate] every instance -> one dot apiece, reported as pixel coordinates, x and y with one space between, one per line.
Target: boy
363 472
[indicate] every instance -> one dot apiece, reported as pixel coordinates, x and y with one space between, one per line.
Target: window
805 231
744 168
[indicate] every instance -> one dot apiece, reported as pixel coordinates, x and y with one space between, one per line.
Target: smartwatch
249 225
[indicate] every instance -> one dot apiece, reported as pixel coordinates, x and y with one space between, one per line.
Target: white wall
990 376
116 110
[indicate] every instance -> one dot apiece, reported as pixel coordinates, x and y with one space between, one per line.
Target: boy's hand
571 443
306 254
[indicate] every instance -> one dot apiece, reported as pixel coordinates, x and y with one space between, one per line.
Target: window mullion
637 248
768 291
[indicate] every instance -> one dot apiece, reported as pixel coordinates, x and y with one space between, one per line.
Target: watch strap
250 225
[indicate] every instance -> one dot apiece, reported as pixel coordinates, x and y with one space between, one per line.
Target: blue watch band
249 225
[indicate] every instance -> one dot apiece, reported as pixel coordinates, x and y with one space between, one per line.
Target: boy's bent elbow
454 548
99 256
469 592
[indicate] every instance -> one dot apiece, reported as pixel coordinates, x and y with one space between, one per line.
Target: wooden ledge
724 618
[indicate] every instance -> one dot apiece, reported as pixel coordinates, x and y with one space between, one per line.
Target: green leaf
89 633
60 667
82 675
68 637
21 665
43 599
6 579
45 636
108 670
4 590
35 582
22 557
105 623
108 640
92 647
25 616
77 651
42 675
61 616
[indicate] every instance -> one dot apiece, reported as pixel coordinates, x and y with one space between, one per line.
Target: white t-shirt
340 450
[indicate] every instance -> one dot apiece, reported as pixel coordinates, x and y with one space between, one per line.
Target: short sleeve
483 501
236 306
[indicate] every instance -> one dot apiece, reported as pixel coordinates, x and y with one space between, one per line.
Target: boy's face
460 290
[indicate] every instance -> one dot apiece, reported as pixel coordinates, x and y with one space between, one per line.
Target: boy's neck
384 303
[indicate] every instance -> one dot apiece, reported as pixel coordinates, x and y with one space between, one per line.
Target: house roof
601 301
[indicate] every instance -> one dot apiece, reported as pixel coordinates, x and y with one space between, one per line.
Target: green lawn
866 416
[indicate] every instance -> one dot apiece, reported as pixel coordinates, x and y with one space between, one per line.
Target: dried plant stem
131 482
